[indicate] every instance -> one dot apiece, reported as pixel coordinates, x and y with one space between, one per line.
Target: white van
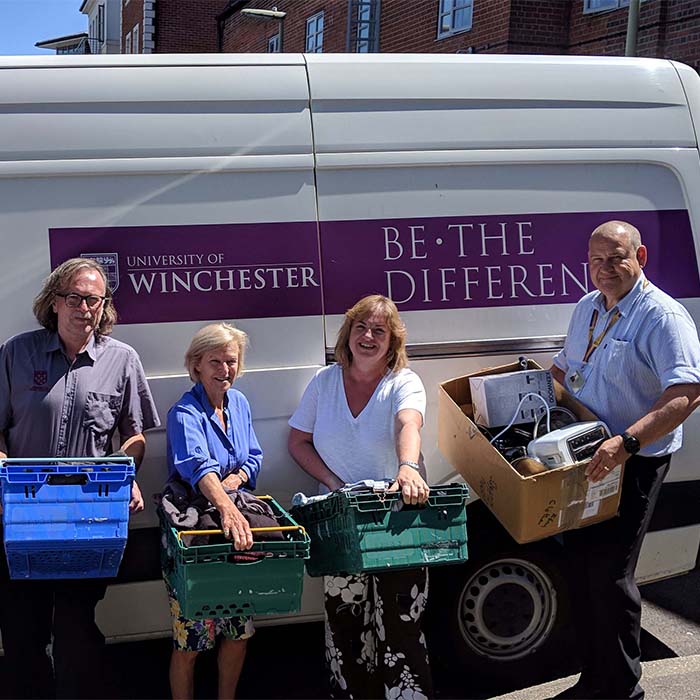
276 190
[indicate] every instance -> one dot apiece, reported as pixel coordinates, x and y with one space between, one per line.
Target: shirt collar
54 343
91 348
201 394
624 306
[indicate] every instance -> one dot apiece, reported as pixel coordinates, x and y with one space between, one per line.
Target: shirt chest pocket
617 357
101 412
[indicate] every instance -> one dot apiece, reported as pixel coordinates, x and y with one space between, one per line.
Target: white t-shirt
361 447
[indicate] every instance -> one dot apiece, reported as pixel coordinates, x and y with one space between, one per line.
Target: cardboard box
530 508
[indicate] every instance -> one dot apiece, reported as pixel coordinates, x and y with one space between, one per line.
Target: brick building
170 26
667 28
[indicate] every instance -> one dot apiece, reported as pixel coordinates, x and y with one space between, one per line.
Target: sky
24 22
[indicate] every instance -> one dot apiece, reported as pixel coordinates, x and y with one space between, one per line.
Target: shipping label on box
599 491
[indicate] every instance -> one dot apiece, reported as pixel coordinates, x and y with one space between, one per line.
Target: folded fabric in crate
186 510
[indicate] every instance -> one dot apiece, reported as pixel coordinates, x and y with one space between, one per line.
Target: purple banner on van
220 271
202 272
484 261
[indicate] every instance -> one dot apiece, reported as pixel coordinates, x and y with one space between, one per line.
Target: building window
314 34
455 16
101 23
363 34
604 5
127 43
273 44
135 39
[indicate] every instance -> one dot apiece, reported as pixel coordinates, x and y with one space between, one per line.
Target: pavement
666 679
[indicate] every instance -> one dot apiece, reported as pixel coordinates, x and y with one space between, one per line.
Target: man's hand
136 502
236 527
413 488
609 454
234 481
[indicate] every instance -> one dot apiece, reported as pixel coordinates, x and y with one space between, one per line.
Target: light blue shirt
198 444
653 345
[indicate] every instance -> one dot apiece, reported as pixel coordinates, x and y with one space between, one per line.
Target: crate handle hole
67 479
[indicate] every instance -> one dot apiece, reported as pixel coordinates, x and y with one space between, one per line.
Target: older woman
213 448
361 419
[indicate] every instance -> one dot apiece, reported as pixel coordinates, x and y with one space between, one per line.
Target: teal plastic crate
366 532
209 583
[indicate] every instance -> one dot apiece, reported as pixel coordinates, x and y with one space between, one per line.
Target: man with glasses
65 390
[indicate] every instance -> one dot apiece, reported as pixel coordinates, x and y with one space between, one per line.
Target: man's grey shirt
653 345
52 408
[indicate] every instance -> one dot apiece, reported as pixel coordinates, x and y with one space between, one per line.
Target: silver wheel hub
507 609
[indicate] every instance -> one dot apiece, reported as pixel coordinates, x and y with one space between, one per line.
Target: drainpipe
632 28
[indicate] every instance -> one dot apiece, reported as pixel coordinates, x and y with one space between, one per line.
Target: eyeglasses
75 300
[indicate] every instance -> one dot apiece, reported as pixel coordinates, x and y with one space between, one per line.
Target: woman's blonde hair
214 337
396 357
57 283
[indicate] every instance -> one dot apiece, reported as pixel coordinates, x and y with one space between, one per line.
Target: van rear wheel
505 616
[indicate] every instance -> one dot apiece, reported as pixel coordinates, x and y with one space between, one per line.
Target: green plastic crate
208 583
364 532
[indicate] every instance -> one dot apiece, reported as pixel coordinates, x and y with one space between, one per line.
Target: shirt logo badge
41 376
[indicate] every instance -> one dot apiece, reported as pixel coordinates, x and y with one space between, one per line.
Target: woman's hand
234 481
236 527
413 488
136 502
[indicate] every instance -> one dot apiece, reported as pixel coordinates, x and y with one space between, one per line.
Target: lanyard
593 344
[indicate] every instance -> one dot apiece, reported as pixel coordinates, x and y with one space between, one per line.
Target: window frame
101 23
363 26
456 5
127 43
135 36
619 5
314 21
274 41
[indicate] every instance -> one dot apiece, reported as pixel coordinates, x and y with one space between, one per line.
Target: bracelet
408 463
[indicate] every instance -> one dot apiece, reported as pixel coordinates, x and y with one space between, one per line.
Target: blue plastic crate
65 518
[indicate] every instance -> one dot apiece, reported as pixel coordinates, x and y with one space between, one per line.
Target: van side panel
195 187
473 211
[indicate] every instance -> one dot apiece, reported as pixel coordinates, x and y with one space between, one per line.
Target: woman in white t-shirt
361 419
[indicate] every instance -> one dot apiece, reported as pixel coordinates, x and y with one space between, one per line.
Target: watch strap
630 443
409 463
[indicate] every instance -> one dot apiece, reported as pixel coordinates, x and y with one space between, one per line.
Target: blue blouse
198 444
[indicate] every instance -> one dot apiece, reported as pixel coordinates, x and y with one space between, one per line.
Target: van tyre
503 617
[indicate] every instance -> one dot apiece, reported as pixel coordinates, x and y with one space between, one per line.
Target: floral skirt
200 635
375 647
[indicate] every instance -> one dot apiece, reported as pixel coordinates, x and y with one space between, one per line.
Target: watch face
631 444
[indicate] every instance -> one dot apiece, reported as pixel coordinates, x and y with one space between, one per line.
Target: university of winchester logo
110 263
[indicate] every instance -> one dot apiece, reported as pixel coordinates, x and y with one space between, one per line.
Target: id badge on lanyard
576 381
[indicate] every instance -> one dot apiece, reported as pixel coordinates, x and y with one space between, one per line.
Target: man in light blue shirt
632 357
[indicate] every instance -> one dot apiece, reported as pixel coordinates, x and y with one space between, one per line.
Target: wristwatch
630 443
409 463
